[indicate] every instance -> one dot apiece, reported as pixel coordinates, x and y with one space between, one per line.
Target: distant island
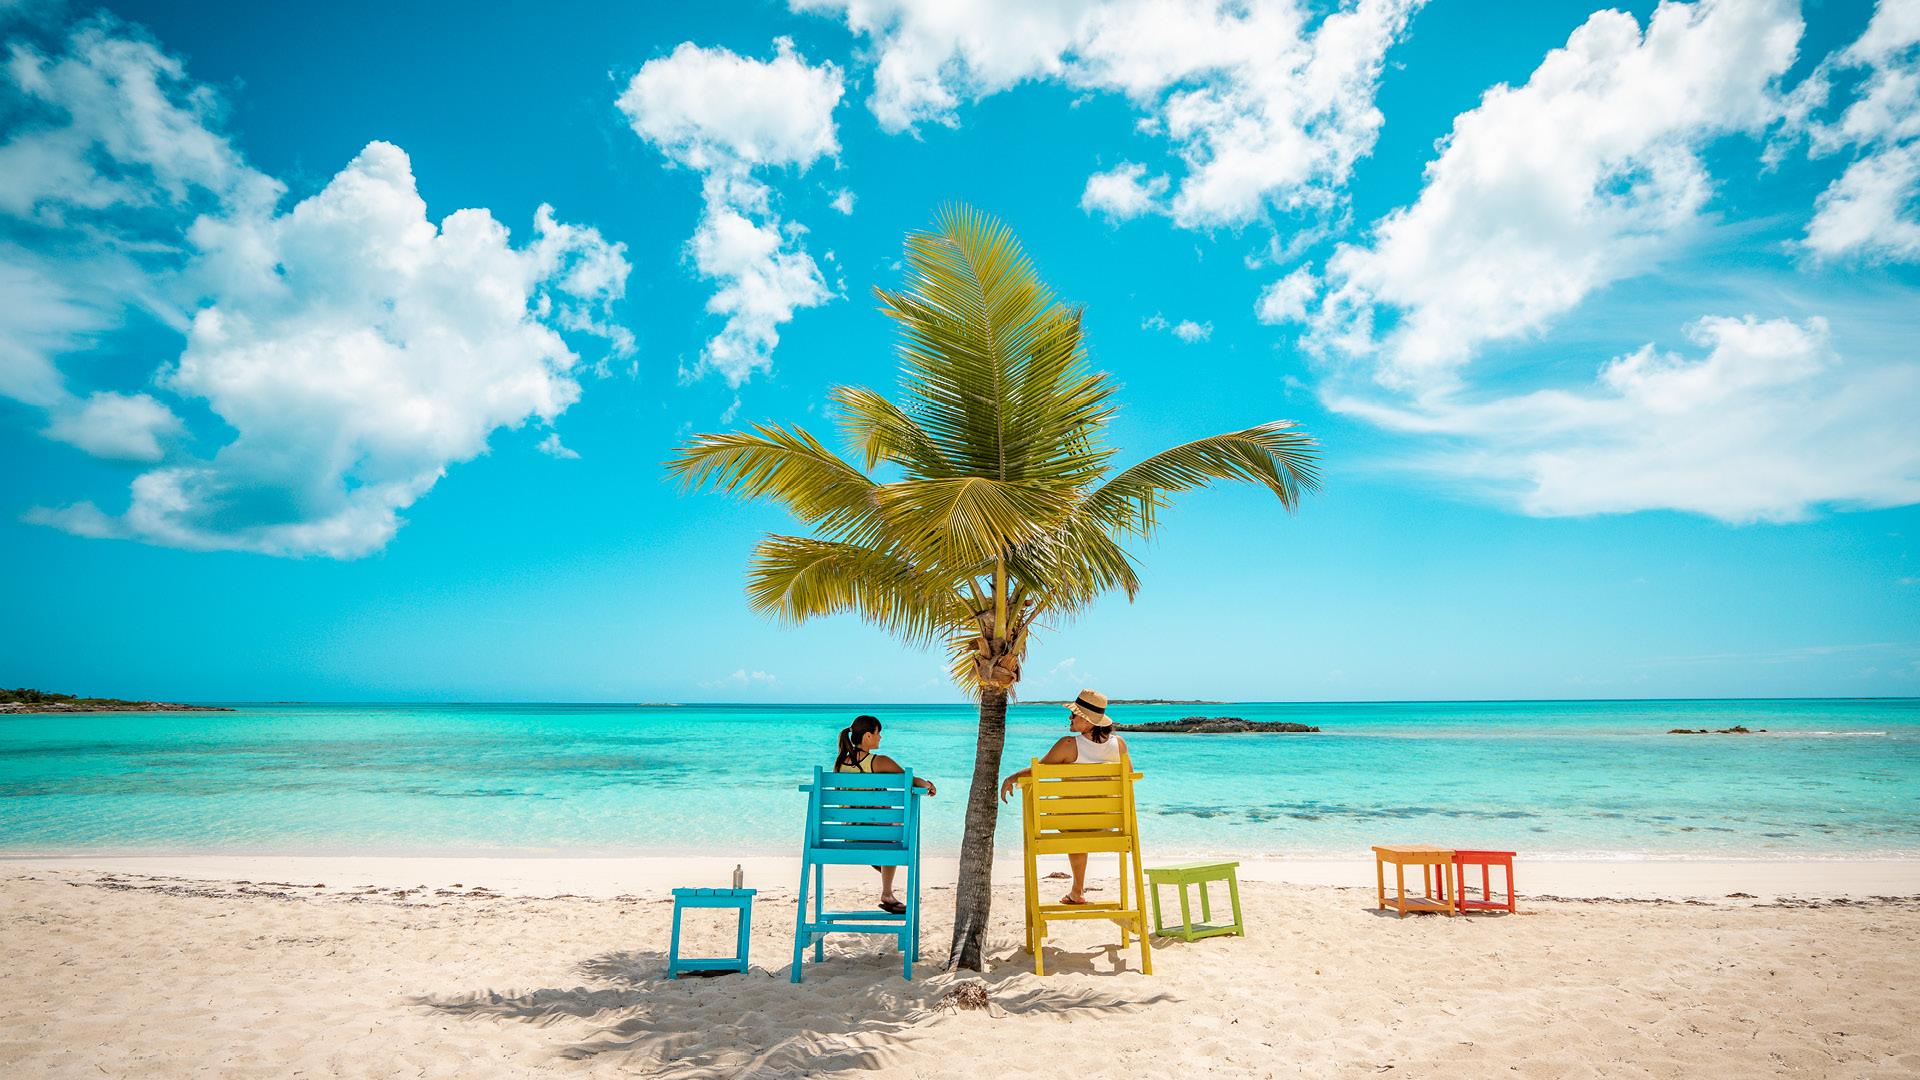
1214 725
1133 701
23 700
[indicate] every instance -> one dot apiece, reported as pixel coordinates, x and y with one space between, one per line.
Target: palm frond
786 466
985 348
965 520
881 431
1273 455
1071 566
797 578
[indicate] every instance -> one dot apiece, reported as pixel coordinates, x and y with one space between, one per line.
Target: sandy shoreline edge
654 875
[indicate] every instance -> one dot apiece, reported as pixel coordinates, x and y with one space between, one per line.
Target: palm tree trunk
973 897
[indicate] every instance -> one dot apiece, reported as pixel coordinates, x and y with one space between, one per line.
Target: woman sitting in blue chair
858 741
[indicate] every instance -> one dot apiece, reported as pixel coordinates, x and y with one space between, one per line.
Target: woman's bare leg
886 882
1077 862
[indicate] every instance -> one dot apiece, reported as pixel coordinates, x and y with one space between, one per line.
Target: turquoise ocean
1828 779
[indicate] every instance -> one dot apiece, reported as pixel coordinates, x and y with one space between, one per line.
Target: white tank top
1093 753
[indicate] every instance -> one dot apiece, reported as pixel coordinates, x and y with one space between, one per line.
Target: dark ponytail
850 737
1100 734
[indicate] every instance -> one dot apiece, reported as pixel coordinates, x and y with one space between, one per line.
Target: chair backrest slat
1083 822
1090 801
860 815
860 810
886 833
863 797
1051 787
1090 805
1103 770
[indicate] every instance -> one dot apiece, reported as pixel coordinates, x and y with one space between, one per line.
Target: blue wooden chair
859 819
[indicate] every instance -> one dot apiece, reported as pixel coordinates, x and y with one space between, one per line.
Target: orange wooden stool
1485 860
1434 862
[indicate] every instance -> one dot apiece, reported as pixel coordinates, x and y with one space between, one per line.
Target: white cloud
765 276
726 116
553 447
45 310
1123 192
1547 192
357 350
1286 300
107 150
1262 109
1186 330
1886 107
109 425
711 109
1769 425
843 201
930 55
1870 211
112 96
742 677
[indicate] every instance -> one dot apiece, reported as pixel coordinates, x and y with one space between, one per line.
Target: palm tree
1002 514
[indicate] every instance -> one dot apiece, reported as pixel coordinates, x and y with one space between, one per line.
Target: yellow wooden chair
1066 809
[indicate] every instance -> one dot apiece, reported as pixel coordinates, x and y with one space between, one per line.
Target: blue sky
1606 321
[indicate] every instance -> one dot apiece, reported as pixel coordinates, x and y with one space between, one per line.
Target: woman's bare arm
1062 753
884 764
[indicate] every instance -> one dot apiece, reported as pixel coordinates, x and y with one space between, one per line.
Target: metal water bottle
738 878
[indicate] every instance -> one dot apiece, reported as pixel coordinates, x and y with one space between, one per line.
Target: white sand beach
162 967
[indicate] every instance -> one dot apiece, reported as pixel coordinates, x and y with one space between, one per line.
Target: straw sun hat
1091 705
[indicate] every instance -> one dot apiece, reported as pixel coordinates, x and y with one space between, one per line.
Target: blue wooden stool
739 899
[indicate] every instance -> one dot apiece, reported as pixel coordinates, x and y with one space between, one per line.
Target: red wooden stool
1485 860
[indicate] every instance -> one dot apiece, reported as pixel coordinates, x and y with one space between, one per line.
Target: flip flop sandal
893 907
1071 900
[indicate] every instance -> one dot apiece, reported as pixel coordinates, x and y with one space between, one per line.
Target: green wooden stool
1196 873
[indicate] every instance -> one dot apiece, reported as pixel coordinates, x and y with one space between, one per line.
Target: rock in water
1213 725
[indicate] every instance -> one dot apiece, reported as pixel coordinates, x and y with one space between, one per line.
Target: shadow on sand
853 1012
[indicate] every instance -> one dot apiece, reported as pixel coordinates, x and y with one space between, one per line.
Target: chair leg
1380 883
909 938
1140 887
1186 917
1159 924
1033 908
913 904
1121 862
800 923
673 950
1233 894
819 909
1400 886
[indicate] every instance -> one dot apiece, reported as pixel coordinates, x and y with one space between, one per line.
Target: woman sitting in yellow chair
1092 742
